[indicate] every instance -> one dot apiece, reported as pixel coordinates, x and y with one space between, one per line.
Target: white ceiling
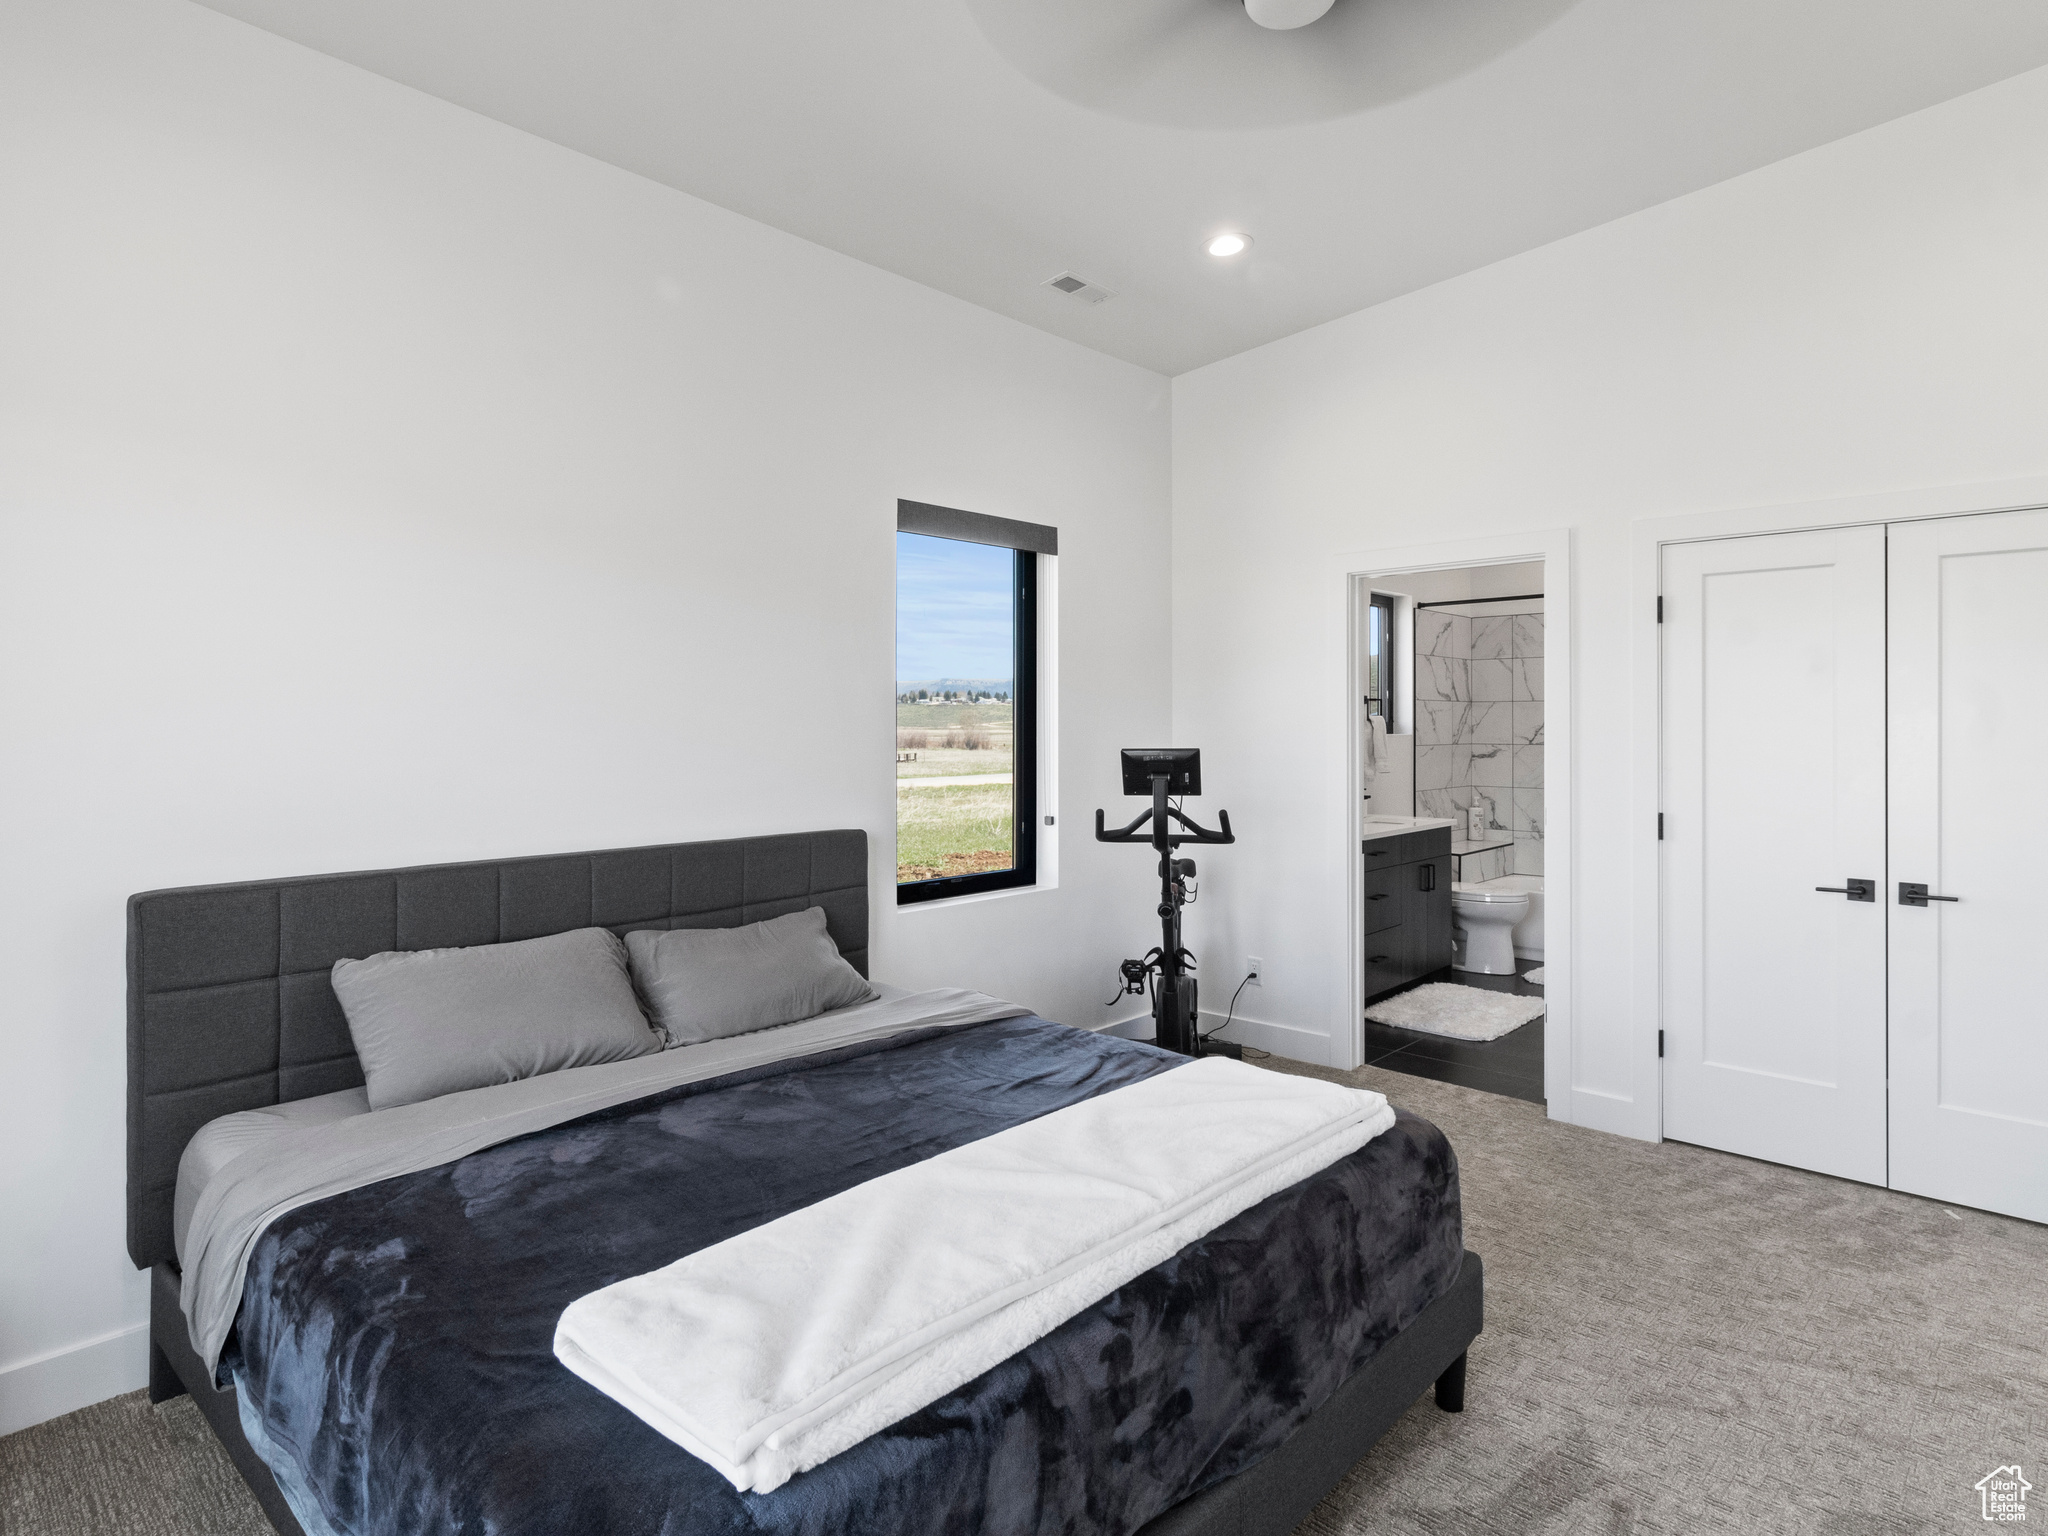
983 146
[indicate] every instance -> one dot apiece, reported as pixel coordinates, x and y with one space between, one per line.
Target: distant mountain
956 685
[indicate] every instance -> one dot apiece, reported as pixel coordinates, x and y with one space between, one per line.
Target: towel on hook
1375 749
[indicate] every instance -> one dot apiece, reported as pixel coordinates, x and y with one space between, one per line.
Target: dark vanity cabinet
1407 908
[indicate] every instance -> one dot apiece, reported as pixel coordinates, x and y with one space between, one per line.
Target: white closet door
1969 741
1774 741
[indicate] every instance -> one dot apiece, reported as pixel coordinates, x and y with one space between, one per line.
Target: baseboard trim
77 1376
1289 1040
1137 1027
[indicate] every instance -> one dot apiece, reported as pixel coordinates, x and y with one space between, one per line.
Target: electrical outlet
1254 969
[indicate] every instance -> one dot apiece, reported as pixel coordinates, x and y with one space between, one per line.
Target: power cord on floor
1233 1006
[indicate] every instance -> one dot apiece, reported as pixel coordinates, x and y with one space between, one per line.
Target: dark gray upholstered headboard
230 1007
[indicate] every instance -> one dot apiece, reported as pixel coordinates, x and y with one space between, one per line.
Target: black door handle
1912 894
1379 896
1855 889
1428 877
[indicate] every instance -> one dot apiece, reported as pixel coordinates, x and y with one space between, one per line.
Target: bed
1225 1391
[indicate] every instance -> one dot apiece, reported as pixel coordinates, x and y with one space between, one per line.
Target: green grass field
957 831
946 717
950 762
935 737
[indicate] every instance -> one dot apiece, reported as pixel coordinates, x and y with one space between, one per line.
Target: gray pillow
706 983
433 1021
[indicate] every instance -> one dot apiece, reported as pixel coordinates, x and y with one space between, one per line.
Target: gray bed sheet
259 1164
220 1142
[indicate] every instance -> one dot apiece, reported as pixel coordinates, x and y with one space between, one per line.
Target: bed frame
230 1008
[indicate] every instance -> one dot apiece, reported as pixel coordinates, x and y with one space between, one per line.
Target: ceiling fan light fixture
1286 15
1229 243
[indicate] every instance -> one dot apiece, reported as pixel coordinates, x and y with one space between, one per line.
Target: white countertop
1395 826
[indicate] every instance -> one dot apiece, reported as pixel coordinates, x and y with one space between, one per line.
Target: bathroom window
1379 658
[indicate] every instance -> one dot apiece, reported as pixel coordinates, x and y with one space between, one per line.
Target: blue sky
953 613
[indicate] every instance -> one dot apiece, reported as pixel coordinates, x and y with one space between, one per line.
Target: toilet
1483 919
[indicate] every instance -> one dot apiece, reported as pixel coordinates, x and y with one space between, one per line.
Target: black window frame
1382 607
973 528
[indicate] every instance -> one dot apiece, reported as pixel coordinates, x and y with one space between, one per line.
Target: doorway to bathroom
1452 784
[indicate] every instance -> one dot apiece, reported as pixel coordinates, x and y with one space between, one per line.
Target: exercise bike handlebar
1196 833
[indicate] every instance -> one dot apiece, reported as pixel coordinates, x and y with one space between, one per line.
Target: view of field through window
955 732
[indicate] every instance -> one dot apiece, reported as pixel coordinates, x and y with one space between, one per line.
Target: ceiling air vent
1079 287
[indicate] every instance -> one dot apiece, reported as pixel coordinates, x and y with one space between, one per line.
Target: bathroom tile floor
1511 1065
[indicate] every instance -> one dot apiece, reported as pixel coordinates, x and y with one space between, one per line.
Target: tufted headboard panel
230 1007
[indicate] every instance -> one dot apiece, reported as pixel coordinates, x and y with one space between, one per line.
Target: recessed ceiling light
1286 15
1229 244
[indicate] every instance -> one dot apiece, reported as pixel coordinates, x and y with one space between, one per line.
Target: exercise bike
1165 773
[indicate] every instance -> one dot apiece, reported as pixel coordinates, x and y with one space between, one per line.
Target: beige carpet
1676 1341
1682 1341
123 1468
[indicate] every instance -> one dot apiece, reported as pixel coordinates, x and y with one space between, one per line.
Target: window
966 701
1379 658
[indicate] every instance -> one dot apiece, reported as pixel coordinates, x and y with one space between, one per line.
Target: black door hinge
1660 826
1660 1045
1660 610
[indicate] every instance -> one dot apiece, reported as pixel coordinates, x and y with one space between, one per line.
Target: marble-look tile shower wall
1479 723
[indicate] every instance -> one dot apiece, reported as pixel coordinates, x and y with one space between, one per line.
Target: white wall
1868 316
379 485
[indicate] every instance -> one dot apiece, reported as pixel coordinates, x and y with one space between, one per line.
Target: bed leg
1450 1387
163 1376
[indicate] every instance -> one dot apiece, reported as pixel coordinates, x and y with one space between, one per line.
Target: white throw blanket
781 1347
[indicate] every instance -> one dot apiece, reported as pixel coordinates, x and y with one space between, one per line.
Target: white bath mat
1535 977
1462 1013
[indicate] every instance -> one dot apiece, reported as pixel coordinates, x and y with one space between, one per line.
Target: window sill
948 902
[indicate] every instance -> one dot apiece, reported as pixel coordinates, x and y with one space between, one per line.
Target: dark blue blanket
394 1342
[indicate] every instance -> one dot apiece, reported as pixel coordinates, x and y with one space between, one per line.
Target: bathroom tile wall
1479 726
1471 868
